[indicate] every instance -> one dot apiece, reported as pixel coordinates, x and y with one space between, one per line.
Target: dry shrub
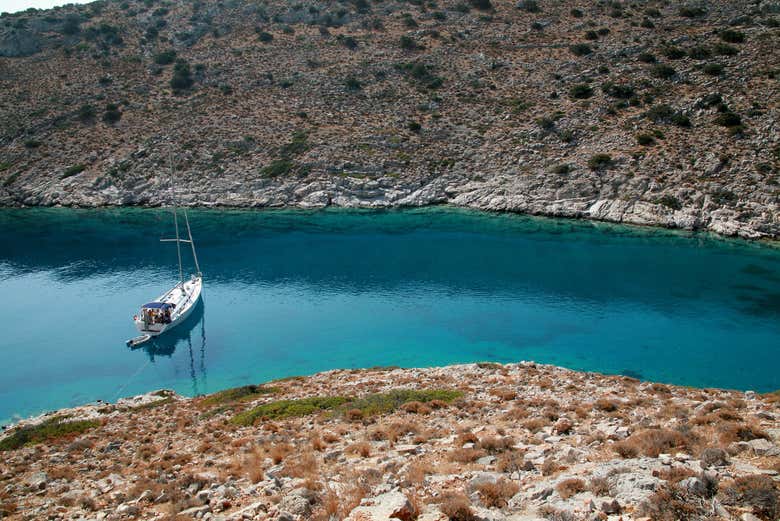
536 424
563 426
599 486
675 474
581 412
651 442
495 444
354 415
466 437
671 503
280 451
362 448
438 404
456 507
517 413
550 467
757 492
465 455
329 437
504 395
732 432
496 495
61 472
550 513
545 383
316 442
252 465
416 407
417 470
570 487
660 389
302 466
513 461
602 404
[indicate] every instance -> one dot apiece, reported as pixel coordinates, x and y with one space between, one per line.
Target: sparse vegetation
600 162
47 431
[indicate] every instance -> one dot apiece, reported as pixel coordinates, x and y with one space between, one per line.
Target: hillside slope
636 112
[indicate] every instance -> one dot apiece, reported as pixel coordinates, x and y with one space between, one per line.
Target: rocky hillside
517 442
646 112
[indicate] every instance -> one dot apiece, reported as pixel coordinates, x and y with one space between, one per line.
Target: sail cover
157 305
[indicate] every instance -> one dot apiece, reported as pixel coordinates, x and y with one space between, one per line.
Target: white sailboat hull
184 297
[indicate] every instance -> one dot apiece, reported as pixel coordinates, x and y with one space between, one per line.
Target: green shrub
239 394
414 126
72 170
32 143
692 11
165 57
47 431
699 52
732 36
670 201
663 71
728 119
713 69
600 162
617 90
723 49
580 49
182 77
86 113
645 140
722 196
265 37
581 91
591 35
576 13
352 83
563 168
530 6
408 43
298 145
483 5
409 21
646 58
673 53
349 42
277 168
112 114
373 404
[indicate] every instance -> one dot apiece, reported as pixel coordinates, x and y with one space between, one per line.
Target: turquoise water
293 292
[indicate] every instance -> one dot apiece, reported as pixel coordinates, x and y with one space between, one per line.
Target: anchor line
132 377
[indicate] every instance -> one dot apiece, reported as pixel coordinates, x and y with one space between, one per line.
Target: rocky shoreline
501 194
480 441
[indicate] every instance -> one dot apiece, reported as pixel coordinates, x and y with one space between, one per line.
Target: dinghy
175 305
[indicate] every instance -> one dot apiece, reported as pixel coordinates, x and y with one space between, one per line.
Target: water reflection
182 335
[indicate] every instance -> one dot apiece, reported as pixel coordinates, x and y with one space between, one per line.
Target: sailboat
175 305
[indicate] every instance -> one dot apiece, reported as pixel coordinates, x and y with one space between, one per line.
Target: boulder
714 457
391 506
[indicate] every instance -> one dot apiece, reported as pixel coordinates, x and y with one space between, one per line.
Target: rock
391 506
295 504
482 478
714 457
611 507
563 426
194 511
126 509
747 516
146 495
694 485
38 481
486 460
762 447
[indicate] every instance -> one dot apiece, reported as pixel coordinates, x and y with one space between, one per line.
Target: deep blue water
293 292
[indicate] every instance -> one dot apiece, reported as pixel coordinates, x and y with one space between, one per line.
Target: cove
290 292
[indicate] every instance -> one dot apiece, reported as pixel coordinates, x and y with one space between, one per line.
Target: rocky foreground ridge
648 112
469 442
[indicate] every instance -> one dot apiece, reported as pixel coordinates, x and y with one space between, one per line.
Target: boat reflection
182 335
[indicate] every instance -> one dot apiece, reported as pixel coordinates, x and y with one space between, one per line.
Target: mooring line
122 389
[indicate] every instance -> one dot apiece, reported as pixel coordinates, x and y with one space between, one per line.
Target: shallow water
294 292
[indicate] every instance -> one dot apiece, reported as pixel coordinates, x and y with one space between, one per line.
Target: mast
176 224
192 243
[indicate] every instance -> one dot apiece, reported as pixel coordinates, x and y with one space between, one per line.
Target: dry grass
495 444
757 492
361 448
496 495
599 486
417 470
605 405
456 507
465 455
570 487
652 442
279 451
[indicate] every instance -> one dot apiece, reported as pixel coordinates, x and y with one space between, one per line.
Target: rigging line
132 377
